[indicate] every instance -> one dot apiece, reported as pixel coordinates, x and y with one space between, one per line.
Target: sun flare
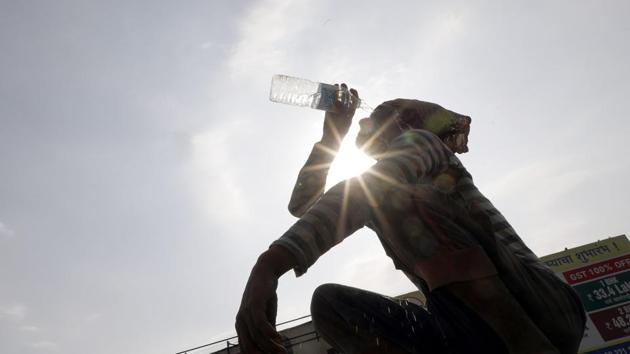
348 163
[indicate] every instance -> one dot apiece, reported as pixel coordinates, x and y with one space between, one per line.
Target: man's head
391 118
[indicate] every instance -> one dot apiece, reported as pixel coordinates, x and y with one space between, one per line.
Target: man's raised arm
311 180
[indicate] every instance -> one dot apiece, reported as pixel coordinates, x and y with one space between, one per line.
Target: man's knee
323 297
326 304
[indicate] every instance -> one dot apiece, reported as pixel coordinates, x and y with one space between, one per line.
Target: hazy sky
143 169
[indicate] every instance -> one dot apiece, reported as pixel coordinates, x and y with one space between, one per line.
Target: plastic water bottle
306 93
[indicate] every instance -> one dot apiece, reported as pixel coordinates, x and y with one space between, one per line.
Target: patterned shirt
432 221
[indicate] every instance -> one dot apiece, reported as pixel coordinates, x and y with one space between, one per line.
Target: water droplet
389 311
414 317
377 342
356 328
413 330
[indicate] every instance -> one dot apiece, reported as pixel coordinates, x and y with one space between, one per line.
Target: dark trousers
358 321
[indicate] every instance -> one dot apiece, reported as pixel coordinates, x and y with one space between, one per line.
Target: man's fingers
343 98
354 102
268 341
274 339
264 335
346 100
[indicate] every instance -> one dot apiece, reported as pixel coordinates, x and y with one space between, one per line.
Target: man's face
366 129
372 140
366 139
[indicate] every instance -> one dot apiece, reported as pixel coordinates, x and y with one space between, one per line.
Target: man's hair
451 127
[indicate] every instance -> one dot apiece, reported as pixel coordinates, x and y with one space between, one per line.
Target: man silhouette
486 291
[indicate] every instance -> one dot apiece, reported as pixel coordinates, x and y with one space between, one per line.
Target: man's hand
337 122
256 317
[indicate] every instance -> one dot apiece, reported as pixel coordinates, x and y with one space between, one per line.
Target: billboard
600 274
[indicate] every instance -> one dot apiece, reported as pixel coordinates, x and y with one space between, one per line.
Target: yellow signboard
583 255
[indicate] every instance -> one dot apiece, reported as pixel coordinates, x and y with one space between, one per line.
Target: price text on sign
612 323
622 348
597 270
605 292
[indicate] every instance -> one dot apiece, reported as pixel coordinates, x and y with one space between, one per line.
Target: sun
348 163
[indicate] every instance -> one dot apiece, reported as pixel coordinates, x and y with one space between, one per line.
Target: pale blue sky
143 168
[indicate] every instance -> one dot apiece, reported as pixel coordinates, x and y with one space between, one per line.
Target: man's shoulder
418 133
417 138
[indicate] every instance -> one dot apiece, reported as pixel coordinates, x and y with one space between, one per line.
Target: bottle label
327 97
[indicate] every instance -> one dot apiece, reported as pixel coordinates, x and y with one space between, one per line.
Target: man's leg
358 321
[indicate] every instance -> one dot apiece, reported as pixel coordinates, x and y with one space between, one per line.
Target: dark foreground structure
598 271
